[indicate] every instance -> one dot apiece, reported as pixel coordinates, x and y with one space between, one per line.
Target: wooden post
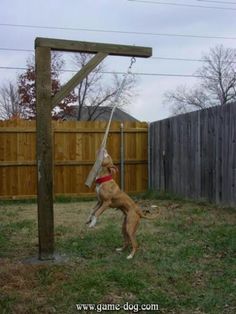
44 153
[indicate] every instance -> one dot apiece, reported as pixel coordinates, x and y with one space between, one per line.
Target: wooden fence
75 146
194 155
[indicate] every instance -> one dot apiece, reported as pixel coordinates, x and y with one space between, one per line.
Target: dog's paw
130 256
93 222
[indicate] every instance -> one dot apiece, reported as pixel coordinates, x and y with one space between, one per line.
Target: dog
110 196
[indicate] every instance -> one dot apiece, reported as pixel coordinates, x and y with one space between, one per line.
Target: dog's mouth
107 161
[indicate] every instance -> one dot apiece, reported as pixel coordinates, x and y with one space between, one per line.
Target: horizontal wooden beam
17 130
91 47
129 130
67 130
59 163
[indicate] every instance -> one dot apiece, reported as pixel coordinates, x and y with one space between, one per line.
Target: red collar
104 179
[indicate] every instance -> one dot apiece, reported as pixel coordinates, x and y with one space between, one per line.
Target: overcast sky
153 24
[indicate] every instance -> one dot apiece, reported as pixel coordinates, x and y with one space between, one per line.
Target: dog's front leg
98 212
99 203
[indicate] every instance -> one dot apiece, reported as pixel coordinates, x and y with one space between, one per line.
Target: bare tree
184 99
9 102
96 94
217 83
219 74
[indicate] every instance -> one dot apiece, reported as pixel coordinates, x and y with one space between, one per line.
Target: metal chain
132 61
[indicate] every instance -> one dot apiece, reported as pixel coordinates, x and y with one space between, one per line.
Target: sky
174 29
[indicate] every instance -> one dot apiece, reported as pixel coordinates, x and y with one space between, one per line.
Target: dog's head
108 163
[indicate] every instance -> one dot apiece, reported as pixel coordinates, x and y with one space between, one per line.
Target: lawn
185 264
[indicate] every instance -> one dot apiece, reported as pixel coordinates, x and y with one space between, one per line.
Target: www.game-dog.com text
99 308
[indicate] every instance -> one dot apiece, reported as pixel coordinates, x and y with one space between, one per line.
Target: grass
185 264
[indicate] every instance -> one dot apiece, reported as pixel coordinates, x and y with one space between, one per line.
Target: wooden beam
77 78
91 47
44 153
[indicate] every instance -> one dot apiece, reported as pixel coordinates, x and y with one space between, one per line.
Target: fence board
200 154
74 148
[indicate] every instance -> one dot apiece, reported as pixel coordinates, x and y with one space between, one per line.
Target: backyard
185 264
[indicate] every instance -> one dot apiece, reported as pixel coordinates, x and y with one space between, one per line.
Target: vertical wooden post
44 153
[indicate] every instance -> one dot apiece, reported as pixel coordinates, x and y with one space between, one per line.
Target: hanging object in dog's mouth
97 165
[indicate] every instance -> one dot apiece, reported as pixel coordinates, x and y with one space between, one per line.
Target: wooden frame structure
44 104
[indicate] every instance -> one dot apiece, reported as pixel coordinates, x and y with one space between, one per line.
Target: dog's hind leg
126 236
131 227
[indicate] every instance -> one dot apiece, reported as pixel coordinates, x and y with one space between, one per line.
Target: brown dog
110 195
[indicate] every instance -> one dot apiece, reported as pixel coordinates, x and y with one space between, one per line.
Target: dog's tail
150 217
